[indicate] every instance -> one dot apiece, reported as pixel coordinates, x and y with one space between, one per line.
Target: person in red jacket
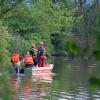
41 54
41 60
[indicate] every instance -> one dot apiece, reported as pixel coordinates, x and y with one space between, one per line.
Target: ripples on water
81 94
28 89
44 91
68 83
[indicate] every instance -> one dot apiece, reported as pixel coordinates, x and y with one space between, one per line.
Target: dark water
70 81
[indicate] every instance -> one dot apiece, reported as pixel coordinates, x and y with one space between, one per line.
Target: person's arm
35 55
44 57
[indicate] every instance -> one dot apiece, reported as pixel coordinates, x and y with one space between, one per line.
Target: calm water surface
70 81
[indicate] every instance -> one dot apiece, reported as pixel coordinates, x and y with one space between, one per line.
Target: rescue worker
41 60
15 59
41 54
40 49
28 60
33 53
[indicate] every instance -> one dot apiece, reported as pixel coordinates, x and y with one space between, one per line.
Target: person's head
33 45
40 44
27 53
16 51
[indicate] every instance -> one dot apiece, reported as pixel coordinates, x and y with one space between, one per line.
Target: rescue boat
45 70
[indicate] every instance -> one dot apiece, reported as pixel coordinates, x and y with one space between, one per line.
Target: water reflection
43 78
15 82
39 90
70 83
80 93
27 88
42 85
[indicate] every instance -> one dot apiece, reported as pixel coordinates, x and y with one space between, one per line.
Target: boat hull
42 70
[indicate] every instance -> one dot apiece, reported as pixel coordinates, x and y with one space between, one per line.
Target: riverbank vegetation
27 23
65 26
72 27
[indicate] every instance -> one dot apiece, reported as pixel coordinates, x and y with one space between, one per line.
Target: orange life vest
28 59
15 57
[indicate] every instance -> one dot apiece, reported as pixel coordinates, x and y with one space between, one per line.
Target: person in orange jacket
15 60
15 57
28 60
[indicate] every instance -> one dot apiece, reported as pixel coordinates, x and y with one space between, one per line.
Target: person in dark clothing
40 49
33 53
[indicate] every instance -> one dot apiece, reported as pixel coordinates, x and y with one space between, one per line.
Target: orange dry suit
28 59
15 57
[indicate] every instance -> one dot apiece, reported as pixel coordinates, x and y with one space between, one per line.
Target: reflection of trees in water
73 76
70 74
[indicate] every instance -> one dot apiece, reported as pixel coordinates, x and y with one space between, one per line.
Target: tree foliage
32 20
